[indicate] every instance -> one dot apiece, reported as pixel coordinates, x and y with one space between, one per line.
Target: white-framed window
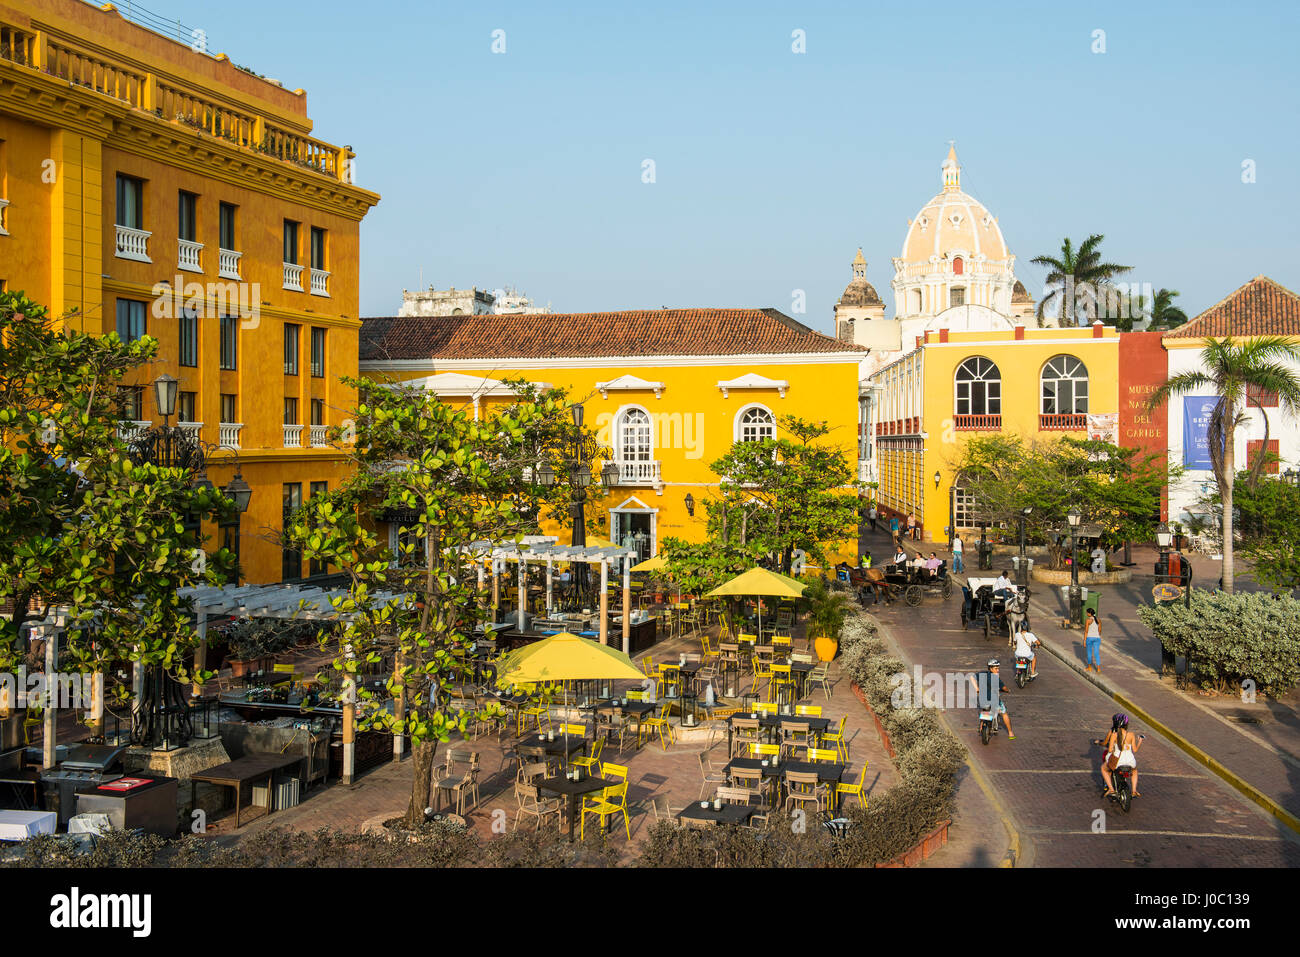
1065 387
979 387
634 436
755 423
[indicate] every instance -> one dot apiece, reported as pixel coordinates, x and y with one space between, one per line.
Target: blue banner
1197 410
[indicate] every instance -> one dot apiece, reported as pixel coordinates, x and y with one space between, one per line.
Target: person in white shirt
900 556
1025 642
957 564
1002 587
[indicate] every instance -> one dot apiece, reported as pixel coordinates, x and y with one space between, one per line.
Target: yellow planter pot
826 648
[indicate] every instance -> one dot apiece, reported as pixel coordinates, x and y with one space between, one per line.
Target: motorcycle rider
988 690
1120 747
1025 642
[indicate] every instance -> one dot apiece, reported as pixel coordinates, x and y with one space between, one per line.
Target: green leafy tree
82 527
1232 370
457 484
780 494
1072 273
1114 488
1267 522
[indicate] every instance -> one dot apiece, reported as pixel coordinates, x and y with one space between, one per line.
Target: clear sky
772 167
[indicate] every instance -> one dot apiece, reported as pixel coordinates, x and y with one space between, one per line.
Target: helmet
1119 720
994 663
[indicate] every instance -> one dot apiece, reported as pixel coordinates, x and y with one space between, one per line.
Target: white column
604 602
522 595
51 697
550 570
627 605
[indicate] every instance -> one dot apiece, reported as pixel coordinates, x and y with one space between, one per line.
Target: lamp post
238 490
1164 538
1073 516
1023 569
580 479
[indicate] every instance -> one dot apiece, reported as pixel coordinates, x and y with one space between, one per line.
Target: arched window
957 266
634 445
1065 387
755 424
979 388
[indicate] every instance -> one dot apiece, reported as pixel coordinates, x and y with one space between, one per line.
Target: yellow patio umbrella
595 541
565 657
656 564
759 582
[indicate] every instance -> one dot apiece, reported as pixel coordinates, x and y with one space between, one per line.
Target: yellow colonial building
1035 383
667 390
152 188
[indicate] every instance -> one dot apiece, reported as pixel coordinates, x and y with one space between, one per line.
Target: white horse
1017 612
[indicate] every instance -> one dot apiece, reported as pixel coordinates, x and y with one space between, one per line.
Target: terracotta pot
240 668
826 648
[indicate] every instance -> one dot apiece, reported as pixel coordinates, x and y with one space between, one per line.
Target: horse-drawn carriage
907 582
996 612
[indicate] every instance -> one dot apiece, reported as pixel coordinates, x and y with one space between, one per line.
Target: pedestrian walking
873 514
957 564
893 529
1092 642
911 526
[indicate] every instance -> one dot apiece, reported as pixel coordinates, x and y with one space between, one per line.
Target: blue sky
772 167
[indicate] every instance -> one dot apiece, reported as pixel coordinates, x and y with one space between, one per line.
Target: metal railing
977 423
1062 422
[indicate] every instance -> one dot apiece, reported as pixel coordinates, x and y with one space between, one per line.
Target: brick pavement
1047 777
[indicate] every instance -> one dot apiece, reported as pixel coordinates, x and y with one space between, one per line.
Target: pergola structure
545 550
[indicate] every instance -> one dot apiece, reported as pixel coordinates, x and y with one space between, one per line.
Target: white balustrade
133 244
293 436
320 282
189 255
228 434
292 277
319 436
228 263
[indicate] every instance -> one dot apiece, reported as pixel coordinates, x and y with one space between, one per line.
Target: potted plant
248 639
827 610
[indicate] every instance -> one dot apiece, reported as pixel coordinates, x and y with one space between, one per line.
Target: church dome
1019 293
953 223
859 292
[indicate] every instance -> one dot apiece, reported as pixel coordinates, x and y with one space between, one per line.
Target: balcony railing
1062 422
638 473
977 423
228 263
228 434
293 436
320 436
320 282
4 225
293 277
189 255
133 244
171 102
128 430
194 427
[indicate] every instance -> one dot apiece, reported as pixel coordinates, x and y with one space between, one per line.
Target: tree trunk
1227 519
422 758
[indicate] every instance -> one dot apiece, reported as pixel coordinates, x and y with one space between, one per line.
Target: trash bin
1022 573
986 555
1090 603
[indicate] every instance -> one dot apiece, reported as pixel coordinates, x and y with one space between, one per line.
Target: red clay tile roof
1259 308
642 332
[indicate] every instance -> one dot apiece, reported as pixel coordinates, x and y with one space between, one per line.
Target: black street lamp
1022 571
1074 516
241 493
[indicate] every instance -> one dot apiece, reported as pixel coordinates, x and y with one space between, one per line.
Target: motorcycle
1123 781
988 725
1023 674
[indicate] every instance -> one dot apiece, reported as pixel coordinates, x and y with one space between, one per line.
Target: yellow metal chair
829 755
780 686
765 707
810 710
589 761
762 672
612 801
538 709
657 721
837 738
760 749
853 790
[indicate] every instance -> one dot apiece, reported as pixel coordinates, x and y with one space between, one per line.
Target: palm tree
1072 270
1233 372
1164 314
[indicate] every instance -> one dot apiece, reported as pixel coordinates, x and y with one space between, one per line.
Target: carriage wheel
986 627
947 589
913 595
